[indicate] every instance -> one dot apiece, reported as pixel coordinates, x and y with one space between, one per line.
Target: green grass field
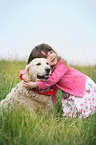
19 128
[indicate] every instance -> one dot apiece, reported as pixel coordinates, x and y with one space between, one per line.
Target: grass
19 128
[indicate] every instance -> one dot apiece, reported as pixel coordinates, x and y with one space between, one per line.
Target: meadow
20 128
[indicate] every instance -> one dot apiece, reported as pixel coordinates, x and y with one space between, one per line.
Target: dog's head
38 68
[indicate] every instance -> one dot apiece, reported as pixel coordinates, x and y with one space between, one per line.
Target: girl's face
51 58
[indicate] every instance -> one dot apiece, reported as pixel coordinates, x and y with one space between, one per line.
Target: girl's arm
56 76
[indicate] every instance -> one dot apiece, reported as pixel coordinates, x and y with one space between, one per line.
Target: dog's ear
27 71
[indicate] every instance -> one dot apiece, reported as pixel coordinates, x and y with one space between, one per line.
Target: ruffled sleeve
22 72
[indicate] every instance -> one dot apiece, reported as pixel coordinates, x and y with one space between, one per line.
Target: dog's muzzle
46 76
42 77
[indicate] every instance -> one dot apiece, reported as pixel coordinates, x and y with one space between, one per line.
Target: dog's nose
47 70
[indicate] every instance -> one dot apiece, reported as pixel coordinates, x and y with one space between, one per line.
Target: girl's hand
30 85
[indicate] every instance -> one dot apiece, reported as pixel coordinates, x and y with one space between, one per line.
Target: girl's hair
37 53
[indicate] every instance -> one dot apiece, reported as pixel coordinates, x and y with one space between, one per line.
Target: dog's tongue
46 76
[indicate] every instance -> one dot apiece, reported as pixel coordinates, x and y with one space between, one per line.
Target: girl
78 90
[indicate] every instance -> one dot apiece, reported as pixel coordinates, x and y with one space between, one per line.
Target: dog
37 69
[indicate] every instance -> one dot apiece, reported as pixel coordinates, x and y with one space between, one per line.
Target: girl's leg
69 107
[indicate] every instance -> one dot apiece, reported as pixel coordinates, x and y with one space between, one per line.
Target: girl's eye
51 52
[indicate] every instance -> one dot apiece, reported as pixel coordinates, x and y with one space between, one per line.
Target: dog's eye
47 63
38 64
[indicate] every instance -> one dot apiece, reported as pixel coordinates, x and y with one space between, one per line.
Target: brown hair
37 53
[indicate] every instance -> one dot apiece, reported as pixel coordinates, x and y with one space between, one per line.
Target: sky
68 26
